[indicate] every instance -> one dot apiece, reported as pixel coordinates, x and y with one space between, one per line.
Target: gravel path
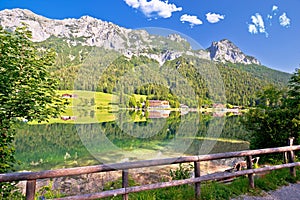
290 192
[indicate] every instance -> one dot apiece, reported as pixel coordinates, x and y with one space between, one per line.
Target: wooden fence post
250 176
125 183
291 157
197 185
30 189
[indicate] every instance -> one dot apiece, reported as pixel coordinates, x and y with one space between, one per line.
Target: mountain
226 51
89 31
143 57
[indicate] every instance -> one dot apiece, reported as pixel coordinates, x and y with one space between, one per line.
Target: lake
132 135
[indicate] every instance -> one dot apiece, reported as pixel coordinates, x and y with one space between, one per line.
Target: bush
183 172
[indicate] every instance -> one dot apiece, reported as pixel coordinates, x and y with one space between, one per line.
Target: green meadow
90 107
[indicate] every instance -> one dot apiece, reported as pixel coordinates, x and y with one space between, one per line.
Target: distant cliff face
226 51
89 31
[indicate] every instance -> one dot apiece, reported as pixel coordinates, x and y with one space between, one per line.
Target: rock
225 51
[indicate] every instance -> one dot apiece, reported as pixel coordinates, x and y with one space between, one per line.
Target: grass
215 190
90 107
271 181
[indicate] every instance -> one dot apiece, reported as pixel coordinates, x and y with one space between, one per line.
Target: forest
187 79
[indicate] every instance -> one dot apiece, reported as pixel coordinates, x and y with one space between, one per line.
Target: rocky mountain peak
176 38
226 51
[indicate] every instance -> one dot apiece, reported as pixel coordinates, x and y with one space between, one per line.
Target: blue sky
266 29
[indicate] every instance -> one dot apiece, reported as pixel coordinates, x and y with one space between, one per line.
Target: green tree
270 97
294 92
27 91
293 101
132 102
277 116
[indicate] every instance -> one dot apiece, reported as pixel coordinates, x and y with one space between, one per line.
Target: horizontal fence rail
31 177
177 182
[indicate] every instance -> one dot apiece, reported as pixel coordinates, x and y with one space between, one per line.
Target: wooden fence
31 177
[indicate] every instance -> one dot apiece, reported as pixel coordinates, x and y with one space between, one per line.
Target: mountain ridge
90 31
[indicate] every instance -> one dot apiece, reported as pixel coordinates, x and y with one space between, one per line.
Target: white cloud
275 8
284 20
270 17
213 17
133 3
154 8
252 29
193 20
258 25
273 14
258 21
